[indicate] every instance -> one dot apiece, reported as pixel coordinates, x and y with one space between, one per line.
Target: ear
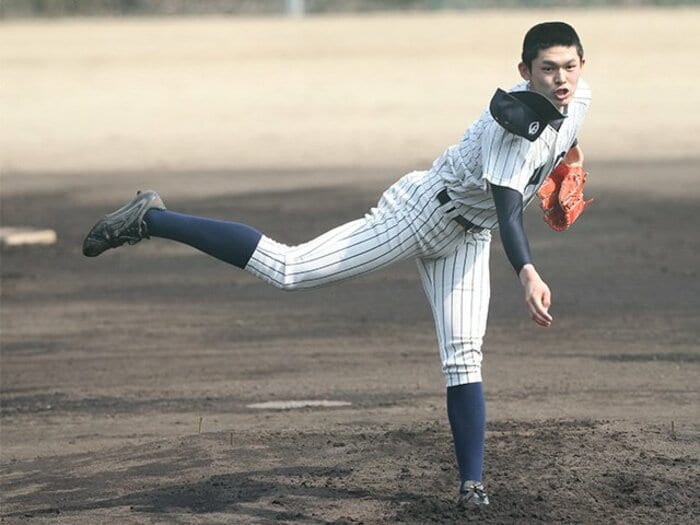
524 71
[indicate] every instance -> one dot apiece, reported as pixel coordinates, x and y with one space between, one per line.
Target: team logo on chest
533 128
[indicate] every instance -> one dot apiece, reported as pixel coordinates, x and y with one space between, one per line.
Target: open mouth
561 93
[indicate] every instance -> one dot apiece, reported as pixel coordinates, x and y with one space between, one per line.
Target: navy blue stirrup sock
466 410
230 242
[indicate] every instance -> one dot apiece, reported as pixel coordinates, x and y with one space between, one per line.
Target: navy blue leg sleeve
466 410
231 242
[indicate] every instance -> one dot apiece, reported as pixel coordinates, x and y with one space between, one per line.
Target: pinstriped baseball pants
408 222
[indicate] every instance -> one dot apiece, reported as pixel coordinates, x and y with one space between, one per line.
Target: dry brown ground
109 364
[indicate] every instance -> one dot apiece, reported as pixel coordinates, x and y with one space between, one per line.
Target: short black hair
549 34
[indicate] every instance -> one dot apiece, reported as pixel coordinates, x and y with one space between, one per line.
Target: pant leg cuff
462 377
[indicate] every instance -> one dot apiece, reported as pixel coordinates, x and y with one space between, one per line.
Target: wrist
528 274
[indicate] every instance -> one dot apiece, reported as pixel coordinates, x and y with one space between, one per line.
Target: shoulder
494 136
524 112
520 86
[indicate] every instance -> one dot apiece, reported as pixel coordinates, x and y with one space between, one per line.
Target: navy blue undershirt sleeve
509 209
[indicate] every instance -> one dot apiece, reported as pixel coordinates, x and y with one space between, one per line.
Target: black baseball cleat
472 493
125 225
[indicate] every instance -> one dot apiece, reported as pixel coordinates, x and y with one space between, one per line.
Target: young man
441 217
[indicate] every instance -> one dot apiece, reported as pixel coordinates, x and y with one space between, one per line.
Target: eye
547 69
571 67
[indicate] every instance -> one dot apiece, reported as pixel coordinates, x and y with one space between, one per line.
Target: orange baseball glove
561 196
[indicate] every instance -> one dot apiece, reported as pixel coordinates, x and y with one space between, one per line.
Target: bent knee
291 283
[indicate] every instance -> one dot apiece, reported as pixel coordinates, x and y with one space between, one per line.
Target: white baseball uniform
410 222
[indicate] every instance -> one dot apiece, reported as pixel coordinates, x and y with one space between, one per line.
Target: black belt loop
443 198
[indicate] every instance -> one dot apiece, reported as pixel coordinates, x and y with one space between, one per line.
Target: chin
562 103
558 103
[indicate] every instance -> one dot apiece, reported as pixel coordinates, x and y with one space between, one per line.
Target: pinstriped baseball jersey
410 221
488 153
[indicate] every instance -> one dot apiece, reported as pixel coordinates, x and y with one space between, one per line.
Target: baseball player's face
554 74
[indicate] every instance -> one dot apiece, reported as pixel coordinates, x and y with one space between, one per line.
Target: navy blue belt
443 198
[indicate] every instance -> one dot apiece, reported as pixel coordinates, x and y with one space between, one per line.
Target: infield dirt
127 380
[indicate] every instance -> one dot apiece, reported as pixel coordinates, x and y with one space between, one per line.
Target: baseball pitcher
522 147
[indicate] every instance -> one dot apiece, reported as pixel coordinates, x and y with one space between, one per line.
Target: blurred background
339 87
12 8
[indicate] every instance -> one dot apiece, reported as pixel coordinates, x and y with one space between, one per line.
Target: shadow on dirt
568 471
238 494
